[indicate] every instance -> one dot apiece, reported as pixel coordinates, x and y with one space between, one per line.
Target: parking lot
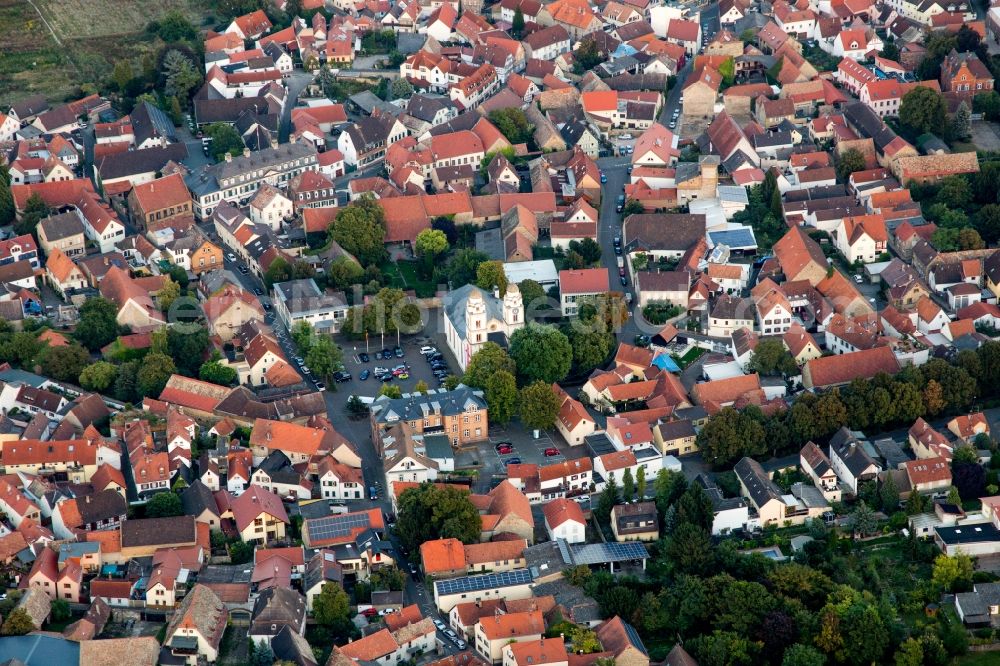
416 369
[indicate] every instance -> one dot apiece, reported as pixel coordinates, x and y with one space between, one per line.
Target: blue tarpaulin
664 362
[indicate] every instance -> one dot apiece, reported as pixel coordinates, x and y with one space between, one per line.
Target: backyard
403 275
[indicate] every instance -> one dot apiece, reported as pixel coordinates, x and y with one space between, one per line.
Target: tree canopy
541 353
428 512
360 229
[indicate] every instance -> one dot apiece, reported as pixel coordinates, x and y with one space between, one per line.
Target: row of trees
934 389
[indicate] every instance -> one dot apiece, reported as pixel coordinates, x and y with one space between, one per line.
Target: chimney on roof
229 157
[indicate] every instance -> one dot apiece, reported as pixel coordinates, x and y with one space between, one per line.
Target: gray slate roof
455 306
415 405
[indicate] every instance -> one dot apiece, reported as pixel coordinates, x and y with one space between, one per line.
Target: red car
369 612
551 451
503 450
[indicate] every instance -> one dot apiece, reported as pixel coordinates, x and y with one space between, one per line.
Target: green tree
587 56
513 124
668 487
730 435
181 75
360 229
18 623
501 396
770 357
633 207
122 74
541 353
987 223
61 611
343 272
126 383
628 485
164 505
517 24
848 162
464 266
961 122
727 69
538 406
216 373
188 345
428 512
175 27
608 499
65 363
98 323
225 139
953 573
22 348
98 376
278 271
332 606
489 360
988 104
863 519
923 110
490 275
169 293
422 387
591 348
640 483
401 88
802 655
324 357
689 549
910 653
430 244
889 495
7 209
391 391
695 507
154 371
387 578
532 294
35 210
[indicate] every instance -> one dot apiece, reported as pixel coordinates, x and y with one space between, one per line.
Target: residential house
635 522
564 519
274 609
259 515
850 461
196 628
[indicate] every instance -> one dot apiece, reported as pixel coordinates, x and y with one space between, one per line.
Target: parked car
859 279
365 374
504 450
621 271
341 377
369 612
403 375
379 370
320 386
551 451
399 352
504 443
363 357
372 493
512 461
604 178
298 359
386 353
450 633
460 644
437 623
426 350
306 370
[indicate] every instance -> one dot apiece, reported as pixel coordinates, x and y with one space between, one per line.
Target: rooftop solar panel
333 527
482 582
603 553
734 238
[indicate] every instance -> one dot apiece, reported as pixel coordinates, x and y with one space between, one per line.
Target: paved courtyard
986 135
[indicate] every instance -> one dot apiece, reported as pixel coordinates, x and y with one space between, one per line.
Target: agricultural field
32 62
89 37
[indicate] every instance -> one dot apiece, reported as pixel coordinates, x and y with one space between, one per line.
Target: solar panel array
633 637
482 582
734 238
603 553
335 527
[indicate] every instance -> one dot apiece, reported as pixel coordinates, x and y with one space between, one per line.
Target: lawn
403 275
690 356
